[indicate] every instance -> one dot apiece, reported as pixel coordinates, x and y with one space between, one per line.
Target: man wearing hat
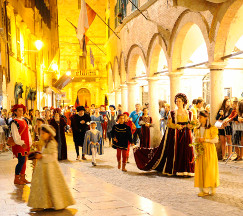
23 141
80 124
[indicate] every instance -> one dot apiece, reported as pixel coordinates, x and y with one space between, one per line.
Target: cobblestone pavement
179 193
105 190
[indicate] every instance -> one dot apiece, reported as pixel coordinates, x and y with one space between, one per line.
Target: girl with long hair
225 133
206 166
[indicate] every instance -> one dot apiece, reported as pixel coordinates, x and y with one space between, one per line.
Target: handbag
219 124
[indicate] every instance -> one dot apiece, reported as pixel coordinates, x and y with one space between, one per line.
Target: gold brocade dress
48 186
206 167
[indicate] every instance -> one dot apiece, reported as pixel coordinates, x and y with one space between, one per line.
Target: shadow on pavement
47 212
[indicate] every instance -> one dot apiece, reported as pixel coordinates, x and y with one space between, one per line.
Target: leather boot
124 167
18 181
23 179
119 164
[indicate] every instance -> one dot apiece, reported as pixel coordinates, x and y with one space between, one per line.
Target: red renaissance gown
145 131
173 156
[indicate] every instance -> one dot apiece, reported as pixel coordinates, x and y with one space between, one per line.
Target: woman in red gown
146 122
174 155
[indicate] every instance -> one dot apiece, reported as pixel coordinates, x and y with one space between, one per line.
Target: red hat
16 106
52 108
126 113
57 110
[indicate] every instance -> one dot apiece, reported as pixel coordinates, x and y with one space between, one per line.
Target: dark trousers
77 150
136 135
109 136
21 166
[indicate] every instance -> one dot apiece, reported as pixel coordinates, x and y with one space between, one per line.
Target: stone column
175 80
216 93
124 98
153 86
111 98
117 97
216 88
133 95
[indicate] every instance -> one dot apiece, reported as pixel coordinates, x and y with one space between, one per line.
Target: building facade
88 70
25 65
174 46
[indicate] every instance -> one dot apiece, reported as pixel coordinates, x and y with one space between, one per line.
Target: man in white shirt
22 138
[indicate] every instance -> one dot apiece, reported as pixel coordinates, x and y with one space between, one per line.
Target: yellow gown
206 166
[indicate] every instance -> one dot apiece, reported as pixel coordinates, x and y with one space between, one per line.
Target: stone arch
116 73
184 23
157 47
225 23
135 53
123 73
84 97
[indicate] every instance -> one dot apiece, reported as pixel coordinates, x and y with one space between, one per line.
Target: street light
54 67
38 45
68 73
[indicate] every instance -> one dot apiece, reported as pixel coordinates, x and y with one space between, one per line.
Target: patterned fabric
48 187
95 138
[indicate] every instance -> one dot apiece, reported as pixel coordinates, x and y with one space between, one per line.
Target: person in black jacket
121 134
80 124
225 133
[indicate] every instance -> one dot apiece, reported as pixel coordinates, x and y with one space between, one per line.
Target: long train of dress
173 156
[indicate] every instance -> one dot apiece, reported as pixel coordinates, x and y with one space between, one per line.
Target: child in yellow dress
206 167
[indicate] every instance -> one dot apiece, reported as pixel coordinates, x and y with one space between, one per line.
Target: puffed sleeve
170 124
214 135
15 134
50 154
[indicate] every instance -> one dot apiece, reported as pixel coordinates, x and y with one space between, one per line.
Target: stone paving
105 190
94 197
178 193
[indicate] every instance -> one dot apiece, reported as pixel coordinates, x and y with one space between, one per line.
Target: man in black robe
121 134
80 124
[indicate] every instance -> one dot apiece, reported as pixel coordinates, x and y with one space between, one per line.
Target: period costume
49 188
122 133
173 156
98 120
60 137
206 167
145 131
133 129
79 129
104 124
111 121
89 148
21 136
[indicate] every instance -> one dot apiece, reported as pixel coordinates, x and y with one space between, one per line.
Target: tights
94 152
124 155
21 166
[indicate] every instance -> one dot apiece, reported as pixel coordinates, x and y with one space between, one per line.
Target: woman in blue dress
98 119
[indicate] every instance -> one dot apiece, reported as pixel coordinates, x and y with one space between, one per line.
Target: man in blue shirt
135 115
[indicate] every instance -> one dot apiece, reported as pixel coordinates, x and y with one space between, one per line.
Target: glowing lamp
68 73
54 67
38 44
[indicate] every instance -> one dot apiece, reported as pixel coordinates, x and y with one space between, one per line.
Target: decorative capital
216 65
